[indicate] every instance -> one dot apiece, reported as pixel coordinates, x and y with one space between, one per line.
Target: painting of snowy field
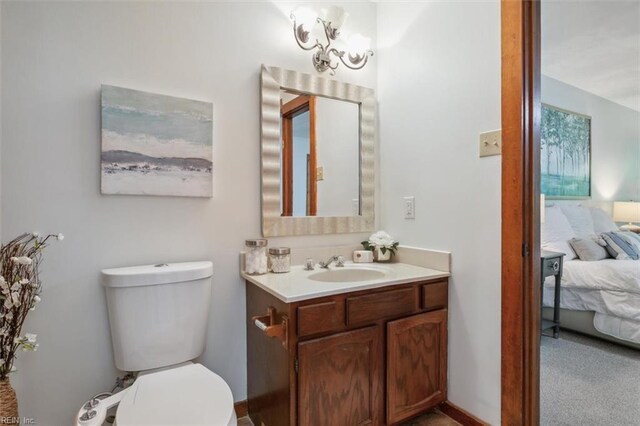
155 144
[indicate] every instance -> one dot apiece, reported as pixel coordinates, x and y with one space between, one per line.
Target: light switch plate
319 173
409 207
491 143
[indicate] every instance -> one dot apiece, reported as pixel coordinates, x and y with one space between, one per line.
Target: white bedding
609 287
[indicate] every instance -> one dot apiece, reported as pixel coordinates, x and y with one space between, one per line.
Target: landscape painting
565 157
155 144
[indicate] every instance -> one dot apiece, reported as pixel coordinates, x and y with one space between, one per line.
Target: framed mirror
318 159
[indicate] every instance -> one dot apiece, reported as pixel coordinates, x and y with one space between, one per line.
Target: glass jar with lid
255 259
280 259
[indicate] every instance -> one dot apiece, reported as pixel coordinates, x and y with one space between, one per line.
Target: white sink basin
349 274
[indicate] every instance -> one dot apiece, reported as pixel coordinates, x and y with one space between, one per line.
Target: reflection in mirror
320 162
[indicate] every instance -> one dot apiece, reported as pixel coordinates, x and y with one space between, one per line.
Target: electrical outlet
409 207
355 207
319 173
491 143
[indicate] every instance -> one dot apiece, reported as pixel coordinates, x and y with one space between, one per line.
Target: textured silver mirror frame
273 224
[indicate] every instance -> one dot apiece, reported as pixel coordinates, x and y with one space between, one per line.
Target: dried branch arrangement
20 289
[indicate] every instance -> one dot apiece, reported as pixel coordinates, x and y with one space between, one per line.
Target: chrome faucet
338 259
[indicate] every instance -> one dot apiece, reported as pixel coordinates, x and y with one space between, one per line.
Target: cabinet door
340 379
416 364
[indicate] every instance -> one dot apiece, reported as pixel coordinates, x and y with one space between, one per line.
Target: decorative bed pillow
602 222
556 232
632 238
580 220
618 247
588 249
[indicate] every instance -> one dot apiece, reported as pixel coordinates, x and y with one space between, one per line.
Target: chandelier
327 57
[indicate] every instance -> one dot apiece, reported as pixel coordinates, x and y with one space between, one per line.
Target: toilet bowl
186 395
158 318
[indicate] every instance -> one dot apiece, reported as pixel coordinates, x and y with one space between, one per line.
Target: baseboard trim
241 408
461 416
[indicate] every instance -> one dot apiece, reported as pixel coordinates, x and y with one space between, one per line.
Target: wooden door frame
520 27
288 111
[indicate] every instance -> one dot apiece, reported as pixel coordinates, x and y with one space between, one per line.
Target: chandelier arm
325 26
340 55
302 46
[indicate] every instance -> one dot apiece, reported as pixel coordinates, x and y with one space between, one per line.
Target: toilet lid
187 395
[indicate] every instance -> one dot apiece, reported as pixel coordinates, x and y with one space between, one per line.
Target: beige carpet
588 382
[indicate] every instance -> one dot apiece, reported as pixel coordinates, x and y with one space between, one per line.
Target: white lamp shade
626 211
304 16
334 14
358 44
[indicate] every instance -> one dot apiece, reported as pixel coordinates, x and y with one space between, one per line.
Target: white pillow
556 232
602 222
580 220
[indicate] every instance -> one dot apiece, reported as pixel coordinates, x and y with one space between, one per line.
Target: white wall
438 88
54 58
615 140
338 150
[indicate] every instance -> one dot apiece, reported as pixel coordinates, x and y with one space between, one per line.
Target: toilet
158 317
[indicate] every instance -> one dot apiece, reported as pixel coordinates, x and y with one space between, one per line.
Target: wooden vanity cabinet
373 357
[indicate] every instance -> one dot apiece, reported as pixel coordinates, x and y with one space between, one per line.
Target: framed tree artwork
565 158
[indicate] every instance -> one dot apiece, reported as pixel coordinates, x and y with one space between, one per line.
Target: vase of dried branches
8 404
20 289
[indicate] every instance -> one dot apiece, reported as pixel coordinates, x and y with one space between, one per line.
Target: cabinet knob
556 266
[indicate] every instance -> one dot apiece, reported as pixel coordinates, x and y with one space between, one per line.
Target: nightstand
551 266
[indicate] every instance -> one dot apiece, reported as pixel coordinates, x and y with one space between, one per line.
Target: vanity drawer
372 307
435 295
320 317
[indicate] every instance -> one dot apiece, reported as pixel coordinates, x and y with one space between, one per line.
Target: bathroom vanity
346 346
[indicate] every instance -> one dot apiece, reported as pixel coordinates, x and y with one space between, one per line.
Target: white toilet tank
158 313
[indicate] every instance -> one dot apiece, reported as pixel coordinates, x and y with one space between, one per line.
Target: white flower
4 287
30 337
36 299
23 281
381 239
23 260
13 368
35 234
8 303
60 237
9 317
16 286
16 298
30 347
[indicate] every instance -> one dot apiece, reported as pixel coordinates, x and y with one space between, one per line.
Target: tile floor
432 418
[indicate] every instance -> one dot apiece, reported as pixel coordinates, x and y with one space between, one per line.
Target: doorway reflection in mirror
320 146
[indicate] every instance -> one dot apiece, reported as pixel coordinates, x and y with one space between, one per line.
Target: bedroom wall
439 87
615 141
55 56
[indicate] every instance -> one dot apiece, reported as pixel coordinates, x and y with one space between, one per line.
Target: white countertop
295 286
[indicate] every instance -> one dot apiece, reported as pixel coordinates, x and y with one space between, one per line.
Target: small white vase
380 257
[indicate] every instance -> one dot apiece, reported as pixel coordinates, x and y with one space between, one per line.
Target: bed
600 298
